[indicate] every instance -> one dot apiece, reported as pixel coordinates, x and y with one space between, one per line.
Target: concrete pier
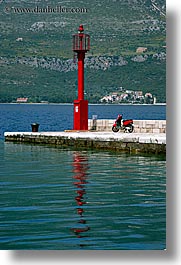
122 142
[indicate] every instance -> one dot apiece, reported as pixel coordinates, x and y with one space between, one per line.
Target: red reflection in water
80 167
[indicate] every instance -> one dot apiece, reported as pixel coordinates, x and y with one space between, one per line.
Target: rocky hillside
36 57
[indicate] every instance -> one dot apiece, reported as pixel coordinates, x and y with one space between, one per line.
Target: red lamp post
81 45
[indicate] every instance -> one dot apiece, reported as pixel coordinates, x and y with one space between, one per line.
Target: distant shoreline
101 104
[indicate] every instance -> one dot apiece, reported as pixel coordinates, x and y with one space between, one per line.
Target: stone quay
133 143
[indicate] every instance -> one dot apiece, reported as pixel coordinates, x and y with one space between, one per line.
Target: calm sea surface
55 198
18 117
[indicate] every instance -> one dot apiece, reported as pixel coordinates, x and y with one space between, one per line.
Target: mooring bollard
94 122
34 127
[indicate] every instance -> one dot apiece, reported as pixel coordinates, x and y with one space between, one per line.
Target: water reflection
80 167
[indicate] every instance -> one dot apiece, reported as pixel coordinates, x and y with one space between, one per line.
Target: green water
53 198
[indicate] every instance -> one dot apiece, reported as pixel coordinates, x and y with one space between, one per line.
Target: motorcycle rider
120 124
119 119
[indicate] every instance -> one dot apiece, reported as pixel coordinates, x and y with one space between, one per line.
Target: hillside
36 48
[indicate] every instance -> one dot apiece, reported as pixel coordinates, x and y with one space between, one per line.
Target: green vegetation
117 28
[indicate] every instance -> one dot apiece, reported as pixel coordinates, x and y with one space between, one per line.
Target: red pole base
80 114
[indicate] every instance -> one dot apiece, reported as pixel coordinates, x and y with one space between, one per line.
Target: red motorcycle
125 125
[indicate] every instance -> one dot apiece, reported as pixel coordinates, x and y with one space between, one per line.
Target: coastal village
129 96
120 96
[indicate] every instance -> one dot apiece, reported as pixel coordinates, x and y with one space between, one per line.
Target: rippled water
54 198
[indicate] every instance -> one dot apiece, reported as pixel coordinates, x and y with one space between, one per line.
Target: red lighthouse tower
81 45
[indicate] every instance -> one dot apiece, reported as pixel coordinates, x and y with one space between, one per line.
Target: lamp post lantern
81 45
